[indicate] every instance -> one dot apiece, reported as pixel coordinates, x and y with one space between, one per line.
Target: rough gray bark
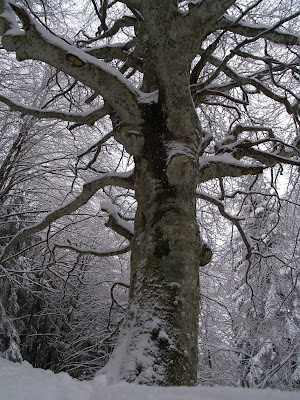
159 341
159 126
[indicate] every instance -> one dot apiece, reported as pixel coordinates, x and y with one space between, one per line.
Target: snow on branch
271 33
108 52
83 118
107 252
38 43
268 158
230 151
118 51
116 223
281 152
124 179
175 148
223 165
231 140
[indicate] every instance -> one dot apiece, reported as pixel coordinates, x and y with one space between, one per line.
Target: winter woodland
150 190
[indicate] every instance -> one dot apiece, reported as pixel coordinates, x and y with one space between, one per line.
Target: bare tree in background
250 325
196 91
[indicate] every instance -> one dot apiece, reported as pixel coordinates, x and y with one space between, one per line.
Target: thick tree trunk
158 341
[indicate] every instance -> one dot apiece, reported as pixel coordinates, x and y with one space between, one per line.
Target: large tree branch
109 52
203 15
39 44
119 51
124 22
279 151
124 180
200 97
88 251
231 150
116 223
248 30
220 166
212 47
83 118
267 158
221 89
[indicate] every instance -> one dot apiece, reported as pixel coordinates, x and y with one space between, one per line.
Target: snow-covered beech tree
194 91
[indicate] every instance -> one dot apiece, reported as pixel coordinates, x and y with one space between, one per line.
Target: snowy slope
22 382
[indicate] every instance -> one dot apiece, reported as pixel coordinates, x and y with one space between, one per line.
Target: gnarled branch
116 223
220 166
38 43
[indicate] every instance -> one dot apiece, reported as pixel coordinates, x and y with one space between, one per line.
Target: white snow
174 285
148 98
82 55
257 25
225 158
164 336
112 210
175 148
23 382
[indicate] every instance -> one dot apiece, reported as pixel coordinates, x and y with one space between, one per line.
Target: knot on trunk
205 255
180 170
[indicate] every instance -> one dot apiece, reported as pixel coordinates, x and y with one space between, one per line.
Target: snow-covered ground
23 382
